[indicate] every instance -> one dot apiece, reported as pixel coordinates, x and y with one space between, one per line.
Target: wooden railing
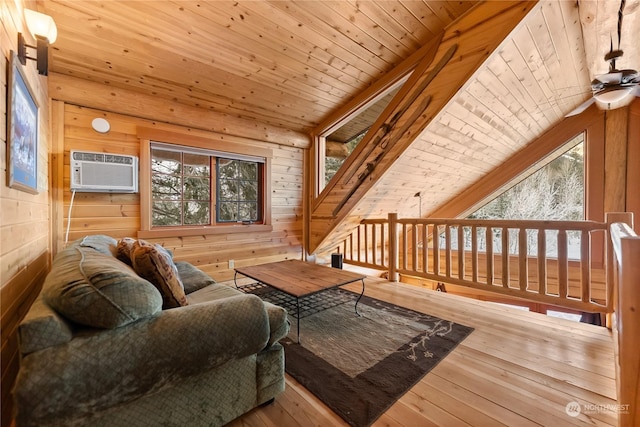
625 272
553 262
601 274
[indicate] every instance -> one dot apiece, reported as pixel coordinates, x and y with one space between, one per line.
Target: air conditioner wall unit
103 172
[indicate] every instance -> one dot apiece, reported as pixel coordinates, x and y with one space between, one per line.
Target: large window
199 187
553 192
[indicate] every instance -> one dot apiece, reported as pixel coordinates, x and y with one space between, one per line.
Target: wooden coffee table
300 279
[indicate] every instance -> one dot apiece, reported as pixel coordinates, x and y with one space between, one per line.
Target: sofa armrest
98 369
279 324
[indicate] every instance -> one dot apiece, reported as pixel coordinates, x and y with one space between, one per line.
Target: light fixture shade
41 25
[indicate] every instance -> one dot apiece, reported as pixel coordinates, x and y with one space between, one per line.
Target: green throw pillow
91 288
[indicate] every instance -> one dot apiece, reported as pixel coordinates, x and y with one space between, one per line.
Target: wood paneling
24 218
118 215
285 64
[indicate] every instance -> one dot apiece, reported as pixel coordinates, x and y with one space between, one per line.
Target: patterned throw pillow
124 249
154 263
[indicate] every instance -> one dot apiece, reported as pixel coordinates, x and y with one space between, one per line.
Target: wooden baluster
383 252
523 266
393 246
489 256
374 244
351 246
542 261
425 248
505 257
404 246
358 243
366 244
460 252
563 266
447 250
474 253
414 248
436 249
585 265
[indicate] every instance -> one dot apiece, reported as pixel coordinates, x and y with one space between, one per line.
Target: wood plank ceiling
291 64
287 64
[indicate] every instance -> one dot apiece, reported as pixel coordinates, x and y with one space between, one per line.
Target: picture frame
22 130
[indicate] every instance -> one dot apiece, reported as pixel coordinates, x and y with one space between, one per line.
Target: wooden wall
24 217
118 215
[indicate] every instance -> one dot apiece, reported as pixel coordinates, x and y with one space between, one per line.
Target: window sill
200 231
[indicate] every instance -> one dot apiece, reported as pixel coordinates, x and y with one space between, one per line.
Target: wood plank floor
516 369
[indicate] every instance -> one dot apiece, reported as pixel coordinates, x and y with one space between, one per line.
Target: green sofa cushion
42 327
91 288
192 277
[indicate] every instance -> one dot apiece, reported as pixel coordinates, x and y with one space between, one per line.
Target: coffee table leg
235 274
358 300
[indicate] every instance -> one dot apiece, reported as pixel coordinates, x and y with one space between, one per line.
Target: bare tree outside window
238 190
180 188
554 192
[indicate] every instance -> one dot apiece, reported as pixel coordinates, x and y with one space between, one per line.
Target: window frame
222 145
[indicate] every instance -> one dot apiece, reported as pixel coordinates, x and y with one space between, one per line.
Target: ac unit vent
103 173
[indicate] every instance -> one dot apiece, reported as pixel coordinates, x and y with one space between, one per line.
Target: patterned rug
360 365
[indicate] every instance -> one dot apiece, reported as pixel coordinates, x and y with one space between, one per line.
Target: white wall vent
103 172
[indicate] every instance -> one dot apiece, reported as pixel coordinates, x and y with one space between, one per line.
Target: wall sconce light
44 30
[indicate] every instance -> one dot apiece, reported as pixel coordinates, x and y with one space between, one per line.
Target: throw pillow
94 289
154 263
124 249
99 242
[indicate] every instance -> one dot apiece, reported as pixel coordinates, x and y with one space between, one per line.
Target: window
180 188
553 192
341 142
238 191
193 187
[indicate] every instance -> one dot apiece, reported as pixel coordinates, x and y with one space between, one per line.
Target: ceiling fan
615 88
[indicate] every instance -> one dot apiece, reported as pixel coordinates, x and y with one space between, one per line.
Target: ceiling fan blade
580 108
610 78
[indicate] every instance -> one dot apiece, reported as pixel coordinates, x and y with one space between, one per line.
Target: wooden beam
633 164
615 160
111 99
477 35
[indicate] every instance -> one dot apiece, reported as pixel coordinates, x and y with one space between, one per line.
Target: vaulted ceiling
292 64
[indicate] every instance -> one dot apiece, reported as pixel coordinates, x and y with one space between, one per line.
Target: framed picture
22 132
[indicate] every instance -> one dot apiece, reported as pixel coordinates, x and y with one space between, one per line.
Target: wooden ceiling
291 64
285 63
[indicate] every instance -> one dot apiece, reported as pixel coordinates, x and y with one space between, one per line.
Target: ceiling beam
474 37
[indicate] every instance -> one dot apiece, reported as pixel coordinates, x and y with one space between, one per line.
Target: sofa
103 345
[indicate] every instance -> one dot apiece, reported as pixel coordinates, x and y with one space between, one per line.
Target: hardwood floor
516 369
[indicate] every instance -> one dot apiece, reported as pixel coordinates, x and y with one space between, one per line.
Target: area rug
360 365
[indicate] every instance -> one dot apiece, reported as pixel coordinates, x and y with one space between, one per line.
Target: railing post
625 248
393 246
612 292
